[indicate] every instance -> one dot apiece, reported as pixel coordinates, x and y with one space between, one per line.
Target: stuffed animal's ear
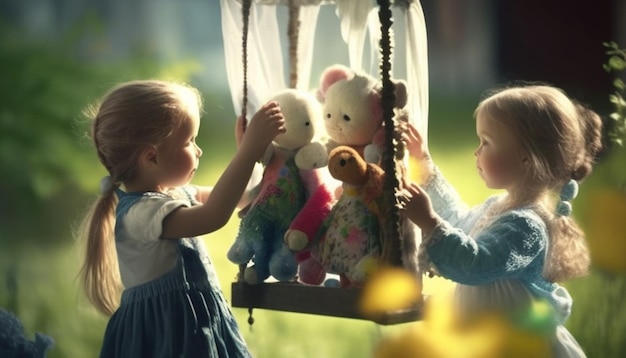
330 76
376 104
401 93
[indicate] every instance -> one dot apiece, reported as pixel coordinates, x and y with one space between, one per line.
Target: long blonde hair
131 117
560 139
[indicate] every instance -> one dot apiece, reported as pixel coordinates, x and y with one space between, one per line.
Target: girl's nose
477 151
198 151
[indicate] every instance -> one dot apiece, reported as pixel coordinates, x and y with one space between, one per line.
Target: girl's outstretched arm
215 212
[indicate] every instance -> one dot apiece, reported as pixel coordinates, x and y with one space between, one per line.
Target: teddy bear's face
301 111
345 164
349 115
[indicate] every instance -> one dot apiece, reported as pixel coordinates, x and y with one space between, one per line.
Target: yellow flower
389 289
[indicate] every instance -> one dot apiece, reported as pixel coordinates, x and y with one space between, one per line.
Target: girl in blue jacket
536 144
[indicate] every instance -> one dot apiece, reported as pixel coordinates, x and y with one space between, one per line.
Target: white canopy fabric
267 56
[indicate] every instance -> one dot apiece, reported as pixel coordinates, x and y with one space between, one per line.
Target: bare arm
203 192
218 207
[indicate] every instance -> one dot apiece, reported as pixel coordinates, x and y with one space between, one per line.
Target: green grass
38 283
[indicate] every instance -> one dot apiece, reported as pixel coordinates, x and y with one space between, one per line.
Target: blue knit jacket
504 246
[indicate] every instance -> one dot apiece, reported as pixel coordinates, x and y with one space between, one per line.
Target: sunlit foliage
45 154
602 210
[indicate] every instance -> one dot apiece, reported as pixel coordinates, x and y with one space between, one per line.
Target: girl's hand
418 150
264 126
414 143
417 207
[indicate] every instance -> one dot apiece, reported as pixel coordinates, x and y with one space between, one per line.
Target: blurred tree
45 156
616 125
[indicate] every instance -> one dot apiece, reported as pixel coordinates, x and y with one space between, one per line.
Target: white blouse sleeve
144 220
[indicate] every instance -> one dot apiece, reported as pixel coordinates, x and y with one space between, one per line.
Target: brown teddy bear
348 243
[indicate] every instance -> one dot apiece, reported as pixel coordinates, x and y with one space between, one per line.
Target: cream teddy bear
284 189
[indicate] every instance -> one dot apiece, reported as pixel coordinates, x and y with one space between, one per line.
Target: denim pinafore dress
183 313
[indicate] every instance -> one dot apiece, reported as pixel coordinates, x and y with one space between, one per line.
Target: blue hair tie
106 184
568 193
564 208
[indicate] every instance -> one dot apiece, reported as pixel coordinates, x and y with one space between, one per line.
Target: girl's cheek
494 168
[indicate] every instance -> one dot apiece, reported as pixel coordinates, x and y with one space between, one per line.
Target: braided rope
293 32
391 245
245 14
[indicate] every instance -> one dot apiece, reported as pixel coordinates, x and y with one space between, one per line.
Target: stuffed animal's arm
309 219
372 153
311 156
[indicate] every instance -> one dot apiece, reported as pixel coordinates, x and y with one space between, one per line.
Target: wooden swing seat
317 300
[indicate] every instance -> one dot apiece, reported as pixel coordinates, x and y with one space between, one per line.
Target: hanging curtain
357 16
417 66
266 55
267 58
354 19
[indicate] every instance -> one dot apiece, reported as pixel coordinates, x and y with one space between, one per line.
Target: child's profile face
498 156
179 155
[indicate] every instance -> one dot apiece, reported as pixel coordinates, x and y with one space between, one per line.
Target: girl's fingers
281 126
415 133
274 113
270 105
404 198
272 108
413 188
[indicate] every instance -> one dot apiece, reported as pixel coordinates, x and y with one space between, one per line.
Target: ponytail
99 273
568 255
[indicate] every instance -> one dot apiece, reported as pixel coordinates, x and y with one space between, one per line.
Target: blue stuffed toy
13 342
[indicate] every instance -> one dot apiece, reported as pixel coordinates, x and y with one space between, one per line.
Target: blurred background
59 56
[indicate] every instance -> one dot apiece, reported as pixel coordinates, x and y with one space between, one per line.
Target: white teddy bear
284 189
